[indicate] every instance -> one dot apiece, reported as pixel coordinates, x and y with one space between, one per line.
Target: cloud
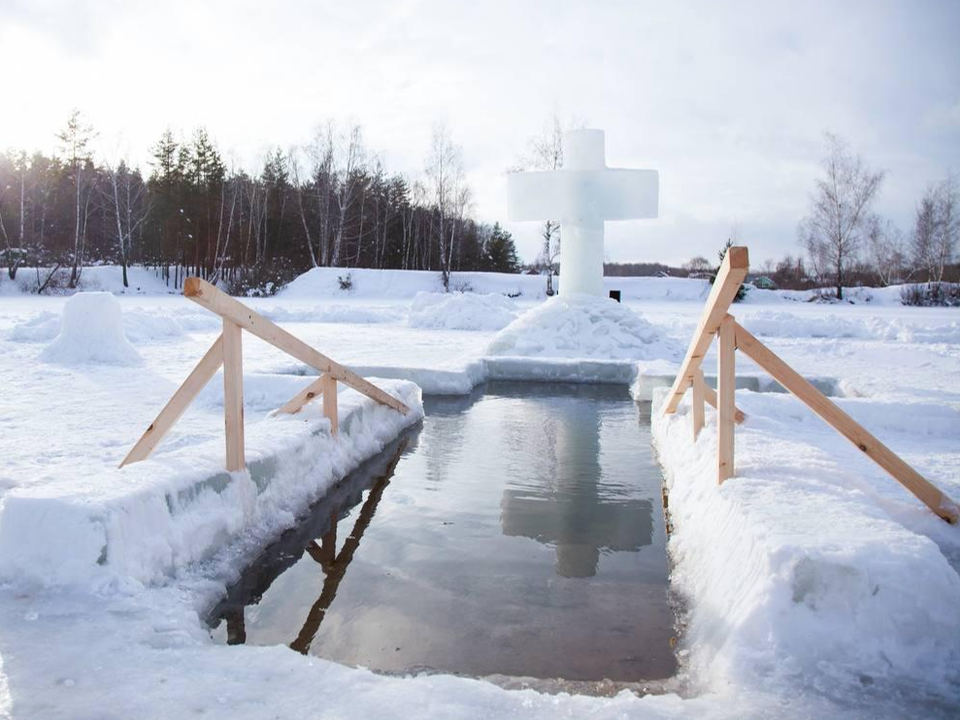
727 100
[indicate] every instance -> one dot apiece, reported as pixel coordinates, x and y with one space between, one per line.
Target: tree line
329 203
844 242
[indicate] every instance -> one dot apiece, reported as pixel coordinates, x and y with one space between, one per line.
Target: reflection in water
564 507
335 565
518 537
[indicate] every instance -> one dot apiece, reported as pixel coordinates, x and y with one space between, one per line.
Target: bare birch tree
839 207
75 141
444 170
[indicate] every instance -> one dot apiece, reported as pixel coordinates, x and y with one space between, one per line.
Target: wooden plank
195 382
725 287
205 294
233 394
710 395
309 393
926 491
698 385
330 403
726 389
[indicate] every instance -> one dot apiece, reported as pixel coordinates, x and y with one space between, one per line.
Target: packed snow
91 331
461 311
813 584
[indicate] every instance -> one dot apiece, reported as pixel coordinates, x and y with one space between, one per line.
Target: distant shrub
462 286
346 282
931 294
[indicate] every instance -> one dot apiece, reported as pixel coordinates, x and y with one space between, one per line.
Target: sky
727 100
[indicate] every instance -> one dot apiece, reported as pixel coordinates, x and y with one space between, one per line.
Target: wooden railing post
329 384
726 401
227 351
233 394
698 401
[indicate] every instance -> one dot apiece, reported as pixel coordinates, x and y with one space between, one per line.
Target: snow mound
43 327
461 311
581 326
782 324
900 331
329 314
91 331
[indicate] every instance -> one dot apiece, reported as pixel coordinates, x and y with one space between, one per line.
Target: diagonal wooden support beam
725 287
710 395
324 386
205 294
803 389
195 382
309 393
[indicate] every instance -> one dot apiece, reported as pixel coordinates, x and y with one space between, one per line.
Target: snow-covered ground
815 586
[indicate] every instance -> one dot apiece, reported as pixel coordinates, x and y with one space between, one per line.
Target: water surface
516 532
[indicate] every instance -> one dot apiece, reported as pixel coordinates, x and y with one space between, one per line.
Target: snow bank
402 284
782 324
461 311
91 331
582 327
798 574
329 314
93 278
151 519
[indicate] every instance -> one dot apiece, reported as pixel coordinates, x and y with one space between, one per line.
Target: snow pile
782 324
583 327
329 314
900 331
800 573
42 327
91 331
461 311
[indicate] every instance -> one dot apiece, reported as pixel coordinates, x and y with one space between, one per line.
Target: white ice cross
583 195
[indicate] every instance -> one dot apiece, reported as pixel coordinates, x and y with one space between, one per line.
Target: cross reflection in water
569 509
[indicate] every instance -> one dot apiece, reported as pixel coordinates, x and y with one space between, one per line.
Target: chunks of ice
91 331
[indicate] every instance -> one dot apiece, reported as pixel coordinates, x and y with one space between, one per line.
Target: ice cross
582 196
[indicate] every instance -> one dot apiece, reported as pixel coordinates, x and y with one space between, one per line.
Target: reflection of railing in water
324 554
715 320
334 565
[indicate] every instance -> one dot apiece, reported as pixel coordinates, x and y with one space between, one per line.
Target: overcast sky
727 100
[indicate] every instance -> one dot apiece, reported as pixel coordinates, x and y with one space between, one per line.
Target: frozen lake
515 532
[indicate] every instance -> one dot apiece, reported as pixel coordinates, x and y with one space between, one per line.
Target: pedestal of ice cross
582 195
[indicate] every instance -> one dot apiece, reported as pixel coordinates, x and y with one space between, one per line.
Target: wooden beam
309 393
726 389
725 287
710 395
217 301
195 382
329 385
698 385
233 394
928 493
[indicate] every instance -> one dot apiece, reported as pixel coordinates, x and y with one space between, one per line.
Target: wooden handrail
715 320
732 273
227 352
